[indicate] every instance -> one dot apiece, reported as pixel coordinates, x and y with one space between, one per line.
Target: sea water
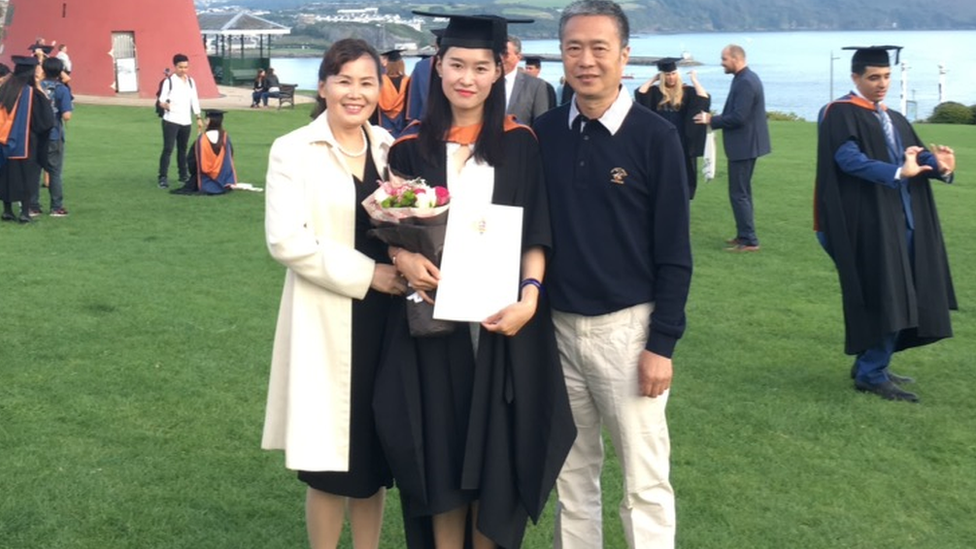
796 67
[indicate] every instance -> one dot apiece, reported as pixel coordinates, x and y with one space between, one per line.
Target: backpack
50 89
160 111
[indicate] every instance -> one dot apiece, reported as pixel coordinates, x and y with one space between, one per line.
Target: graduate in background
392 111
476 423
211 160
875 216
420 82
666 95
26 118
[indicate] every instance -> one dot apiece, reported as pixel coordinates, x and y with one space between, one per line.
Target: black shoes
887 391
8 216
900 380
163 183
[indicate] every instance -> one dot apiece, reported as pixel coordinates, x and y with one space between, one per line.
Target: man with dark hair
617 283
178 98
533 67
61 105
875 216
525 95
745 135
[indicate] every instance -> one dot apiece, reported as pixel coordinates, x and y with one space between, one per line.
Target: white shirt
613 118
510 85
475 181
183 101
63 56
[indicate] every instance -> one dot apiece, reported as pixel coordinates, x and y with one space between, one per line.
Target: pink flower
443 196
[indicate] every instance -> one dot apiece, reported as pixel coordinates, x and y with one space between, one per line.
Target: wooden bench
287 95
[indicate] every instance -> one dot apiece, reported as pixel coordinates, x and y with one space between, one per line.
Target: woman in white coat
335 300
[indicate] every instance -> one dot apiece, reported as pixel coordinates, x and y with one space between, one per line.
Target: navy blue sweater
619 210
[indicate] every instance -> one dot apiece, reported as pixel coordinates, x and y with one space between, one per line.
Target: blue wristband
529 282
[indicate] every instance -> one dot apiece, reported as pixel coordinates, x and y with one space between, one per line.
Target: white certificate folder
481 261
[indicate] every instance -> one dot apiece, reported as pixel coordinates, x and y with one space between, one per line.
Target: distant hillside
699 15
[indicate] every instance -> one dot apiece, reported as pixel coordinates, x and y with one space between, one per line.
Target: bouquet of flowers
409 214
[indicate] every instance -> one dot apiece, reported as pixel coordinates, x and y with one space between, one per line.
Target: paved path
231 98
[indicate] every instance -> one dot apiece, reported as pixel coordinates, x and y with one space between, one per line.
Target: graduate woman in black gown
666 95
475 424
335 302
27 118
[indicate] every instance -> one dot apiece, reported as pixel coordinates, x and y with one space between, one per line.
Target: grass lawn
136 339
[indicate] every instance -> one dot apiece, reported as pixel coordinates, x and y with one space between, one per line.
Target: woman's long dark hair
438 119
22 77
342 52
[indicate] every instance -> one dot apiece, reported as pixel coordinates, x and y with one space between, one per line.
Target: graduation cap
24 60
873 56
392 55
43 47
533 61
475 31
667 64
214 113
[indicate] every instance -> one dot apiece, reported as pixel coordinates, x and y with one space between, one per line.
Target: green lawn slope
136 336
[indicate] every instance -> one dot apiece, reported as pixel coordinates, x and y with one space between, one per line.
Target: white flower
380 194
429 199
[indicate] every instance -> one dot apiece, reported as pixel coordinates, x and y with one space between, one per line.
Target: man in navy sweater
618 278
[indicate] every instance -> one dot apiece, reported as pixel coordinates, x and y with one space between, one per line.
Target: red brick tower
114 45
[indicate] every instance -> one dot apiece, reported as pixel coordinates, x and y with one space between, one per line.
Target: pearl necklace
358 154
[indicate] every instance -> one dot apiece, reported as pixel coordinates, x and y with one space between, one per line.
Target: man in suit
533 67
746 138
525 95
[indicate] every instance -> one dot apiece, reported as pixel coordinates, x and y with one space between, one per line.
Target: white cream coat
310 220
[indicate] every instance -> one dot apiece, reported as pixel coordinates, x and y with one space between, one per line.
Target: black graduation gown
19 176
883 290
692 134
508 406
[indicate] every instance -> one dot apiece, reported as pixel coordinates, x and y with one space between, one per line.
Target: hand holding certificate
481 262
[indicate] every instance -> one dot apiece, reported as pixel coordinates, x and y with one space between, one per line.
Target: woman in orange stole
391 112
211 161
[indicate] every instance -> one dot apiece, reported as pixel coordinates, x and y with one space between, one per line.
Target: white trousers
599 356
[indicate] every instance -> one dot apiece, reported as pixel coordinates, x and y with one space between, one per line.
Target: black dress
368 470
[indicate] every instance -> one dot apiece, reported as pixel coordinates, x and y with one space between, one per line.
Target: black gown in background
20 178
368 470
692 134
